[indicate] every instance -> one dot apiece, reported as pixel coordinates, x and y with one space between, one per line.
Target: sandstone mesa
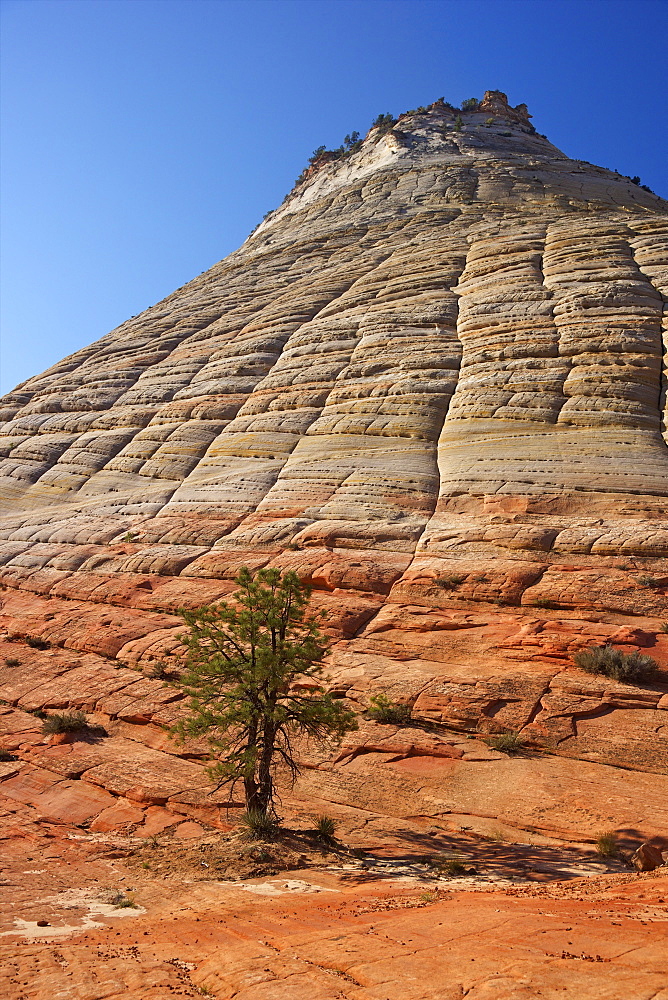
432 382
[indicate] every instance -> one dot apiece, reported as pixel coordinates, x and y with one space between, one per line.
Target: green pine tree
243 661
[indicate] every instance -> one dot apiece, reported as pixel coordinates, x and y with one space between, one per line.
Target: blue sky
143 139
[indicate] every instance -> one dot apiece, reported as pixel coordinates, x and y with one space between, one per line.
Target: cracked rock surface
433 383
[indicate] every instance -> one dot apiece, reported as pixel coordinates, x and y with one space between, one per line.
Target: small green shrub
258 825
448 865
159 671
123 901
470 104
256 853
35 642
325 827
606 844
383 709
650 581
544 602
662 628
12 661
65 722
507 742
628 668
130 536
497 836
489 121
454 868
449 582
459 121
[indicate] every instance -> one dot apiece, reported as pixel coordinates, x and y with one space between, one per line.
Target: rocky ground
88 916
123 815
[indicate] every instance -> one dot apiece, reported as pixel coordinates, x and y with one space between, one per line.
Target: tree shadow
486 858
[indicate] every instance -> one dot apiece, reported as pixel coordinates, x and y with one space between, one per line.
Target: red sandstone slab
80 687
179 592
119 816
138 699
13 721
41 581
345 569
154 644
222 565
30 783
156 820
144 775
72 802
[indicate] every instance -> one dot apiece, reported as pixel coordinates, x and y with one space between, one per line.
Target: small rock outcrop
495 102
647 858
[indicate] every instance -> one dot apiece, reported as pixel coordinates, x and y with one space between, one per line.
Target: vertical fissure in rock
649 246
452 285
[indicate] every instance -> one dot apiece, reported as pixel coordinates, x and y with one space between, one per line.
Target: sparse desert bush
507 742
383 709
650 581
124 901
497 836
544 602
65 722
606 844
5 755
12 661
325 827
449 865
449 582
662 628
259 825
454 868
629 668
159 671
35 642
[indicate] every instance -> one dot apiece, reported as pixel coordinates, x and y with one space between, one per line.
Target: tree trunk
251 789
251 793
265 793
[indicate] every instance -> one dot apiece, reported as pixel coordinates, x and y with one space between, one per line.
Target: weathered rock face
432 382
